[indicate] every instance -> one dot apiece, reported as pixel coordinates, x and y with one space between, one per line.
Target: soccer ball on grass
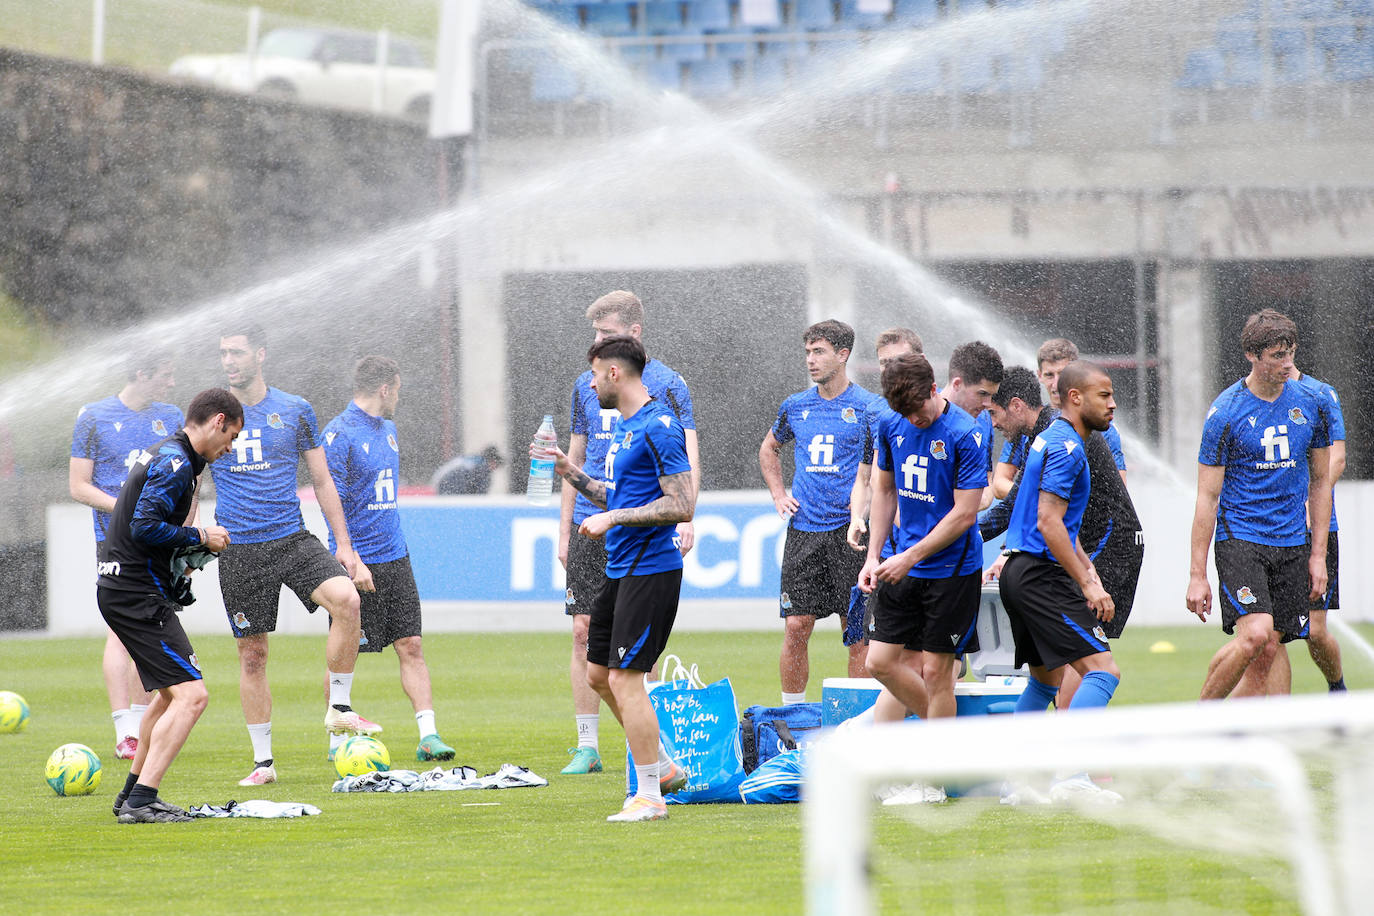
14 712
73 769
361 754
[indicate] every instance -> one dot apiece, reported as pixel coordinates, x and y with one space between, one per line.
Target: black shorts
1051 622
392 612
632 618
585 574
1331 601
151 632
1261 579
818 570
929 615
251 577
1120 573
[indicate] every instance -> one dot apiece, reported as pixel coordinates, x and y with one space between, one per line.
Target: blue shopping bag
699 727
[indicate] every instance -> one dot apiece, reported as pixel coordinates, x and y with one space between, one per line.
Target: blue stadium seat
1333 36
912 14
1244 69
1284 41
1350 63
665 74
1237 39
610 18
1293 64
552 81
639 52
1360 9
564 14
852 17
684 51
972 6
813 14
1302 9
1202 69
711 79
708 15
736 50
1014 4
662 18
768 75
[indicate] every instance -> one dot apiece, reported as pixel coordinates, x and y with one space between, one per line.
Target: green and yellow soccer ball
73 769
361 754
14 713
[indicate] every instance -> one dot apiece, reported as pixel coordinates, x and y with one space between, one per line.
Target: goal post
1282 779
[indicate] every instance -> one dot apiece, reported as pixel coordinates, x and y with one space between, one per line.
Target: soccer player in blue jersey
818 566
1110 534
1051 359
1263 470
107 438
1321 644
255 489
364 458
584 558
1055 601
142 585
648 490
931 473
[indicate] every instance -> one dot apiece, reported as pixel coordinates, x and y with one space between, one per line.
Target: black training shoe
155 812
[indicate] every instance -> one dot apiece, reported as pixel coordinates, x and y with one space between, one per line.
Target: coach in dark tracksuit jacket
143 584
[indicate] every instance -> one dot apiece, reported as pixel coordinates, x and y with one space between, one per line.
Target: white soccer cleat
348 723
639 808
1081 790
260 776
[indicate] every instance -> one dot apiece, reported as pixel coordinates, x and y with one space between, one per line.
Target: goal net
1249 806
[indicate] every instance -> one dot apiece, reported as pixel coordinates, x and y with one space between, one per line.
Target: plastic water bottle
539 490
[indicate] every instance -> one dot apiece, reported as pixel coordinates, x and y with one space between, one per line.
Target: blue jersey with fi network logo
832 439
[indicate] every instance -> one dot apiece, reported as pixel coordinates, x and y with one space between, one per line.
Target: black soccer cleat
155 812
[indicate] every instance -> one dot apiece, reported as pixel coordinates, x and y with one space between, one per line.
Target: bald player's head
1085 392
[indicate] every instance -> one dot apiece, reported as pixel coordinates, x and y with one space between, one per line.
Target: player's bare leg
1253 637
794 663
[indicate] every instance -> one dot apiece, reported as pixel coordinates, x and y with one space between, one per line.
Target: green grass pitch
499 698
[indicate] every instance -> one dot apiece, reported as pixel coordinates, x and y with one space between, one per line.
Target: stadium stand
716 49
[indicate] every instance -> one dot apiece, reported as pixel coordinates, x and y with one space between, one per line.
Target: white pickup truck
323 66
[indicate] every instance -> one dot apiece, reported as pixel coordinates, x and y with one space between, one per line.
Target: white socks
792 699
136 711
588 729
647 777
125 724
261 736
340 689
425 720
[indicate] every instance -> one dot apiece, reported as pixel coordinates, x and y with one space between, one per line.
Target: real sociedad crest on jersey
1295 415
937 450
849 416
391 441
629 437
274 421
1245 596
159 428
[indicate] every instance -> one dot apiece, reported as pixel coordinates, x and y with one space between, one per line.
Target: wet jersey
1056 463
1263 446
927 466
365 463
146 529
1335 420
111 436
649 445
598 423
830 436
255 482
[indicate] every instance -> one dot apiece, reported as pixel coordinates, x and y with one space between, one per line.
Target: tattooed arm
677 504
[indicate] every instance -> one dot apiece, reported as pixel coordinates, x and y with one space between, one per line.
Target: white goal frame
845 769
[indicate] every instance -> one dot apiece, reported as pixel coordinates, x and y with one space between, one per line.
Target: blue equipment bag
766 731
776 782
